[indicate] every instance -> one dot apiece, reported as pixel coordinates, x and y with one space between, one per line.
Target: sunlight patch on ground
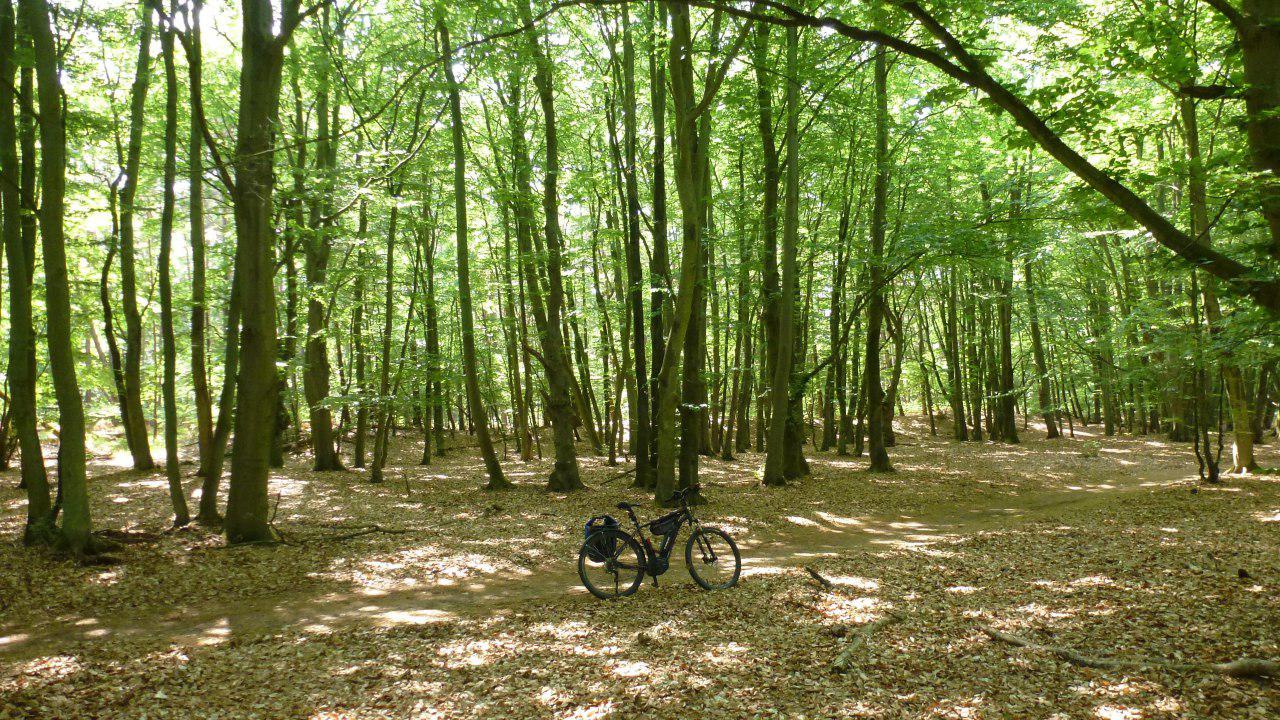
632 669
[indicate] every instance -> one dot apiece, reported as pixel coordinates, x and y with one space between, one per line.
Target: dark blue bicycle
612 563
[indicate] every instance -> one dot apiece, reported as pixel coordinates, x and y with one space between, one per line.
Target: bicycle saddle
625 506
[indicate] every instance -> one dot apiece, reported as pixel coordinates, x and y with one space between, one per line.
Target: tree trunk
547 319
315 379
195 181
172 468
659 263
74 534
876 303
780 384
385 406
21 257
262 58
131 413
642 429
1044 396
469 366
1237 399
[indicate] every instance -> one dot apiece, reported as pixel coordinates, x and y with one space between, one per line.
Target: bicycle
612 563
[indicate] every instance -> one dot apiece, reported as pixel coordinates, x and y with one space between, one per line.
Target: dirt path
797 541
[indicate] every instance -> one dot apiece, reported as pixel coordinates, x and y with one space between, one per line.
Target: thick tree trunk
876 303
262 53
74 534
21 257
172 467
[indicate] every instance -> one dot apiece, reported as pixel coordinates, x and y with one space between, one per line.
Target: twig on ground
1242 668
845 659
369 530
616 476
825 583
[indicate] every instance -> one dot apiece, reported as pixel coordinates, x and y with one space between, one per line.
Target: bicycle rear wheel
611 564
713 559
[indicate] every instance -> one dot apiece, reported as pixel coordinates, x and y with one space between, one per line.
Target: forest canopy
660 230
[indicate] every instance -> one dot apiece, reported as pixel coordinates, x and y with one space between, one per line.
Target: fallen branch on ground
369 530
845 658
1242 668
825 583
617 476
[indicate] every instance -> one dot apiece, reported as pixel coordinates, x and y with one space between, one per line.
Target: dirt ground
470 605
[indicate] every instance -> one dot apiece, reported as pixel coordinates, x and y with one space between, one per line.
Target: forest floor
470 606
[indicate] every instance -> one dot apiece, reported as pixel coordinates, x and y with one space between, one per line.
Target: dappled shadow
475 608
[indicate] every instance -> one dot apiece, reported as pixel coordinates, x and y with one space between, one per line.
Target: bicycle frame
658 560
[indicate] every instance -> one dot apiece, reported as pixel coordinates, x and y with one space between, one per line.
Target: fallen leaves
475 613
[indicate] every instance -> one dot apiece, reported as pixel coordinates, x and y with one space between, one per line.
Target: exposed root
1242 668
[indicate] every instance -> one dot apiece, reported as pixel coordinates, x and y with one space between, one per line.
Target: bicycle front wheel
713 559
611 564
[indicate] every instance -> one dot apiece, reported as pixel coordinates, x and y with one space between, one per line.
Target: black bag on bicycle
666 524
600 547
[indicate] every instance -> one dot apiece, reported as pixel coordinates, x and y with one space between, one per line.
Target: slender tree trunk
1037 350
1007 404
172 468
1233 380
385 404
131 413
565 475
770 283
469 365
659 263
315 379
780 384
642 429
195 181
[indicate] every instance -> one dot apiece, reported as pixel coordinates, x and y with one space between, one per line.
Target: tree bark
21 258
131 413
469 366
173 471
195 180
74 535
315 379
876 303
780 384
262 59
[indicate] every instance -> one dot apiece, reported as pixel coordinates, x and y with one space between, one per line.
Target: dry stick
1242 668
845 659
825 583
